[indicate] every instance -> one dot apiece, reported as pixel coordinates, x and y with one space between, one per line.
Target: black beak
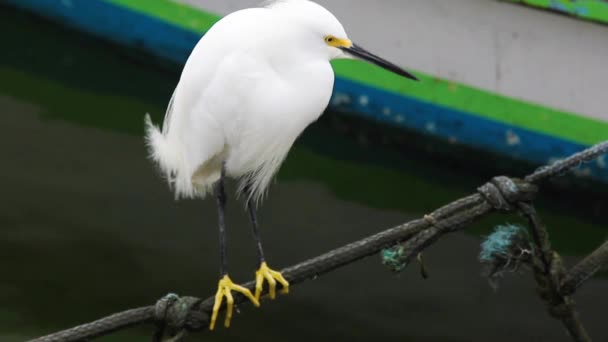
365 55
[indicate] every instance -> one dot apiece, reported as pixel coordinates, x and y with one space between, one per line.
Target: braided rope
501 193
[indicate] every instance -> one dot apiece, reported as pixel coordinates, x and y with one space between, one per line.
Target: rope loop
171 312
503 192
162 306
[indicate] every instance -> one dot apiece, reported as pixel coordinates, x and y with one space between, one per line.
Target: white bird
250 87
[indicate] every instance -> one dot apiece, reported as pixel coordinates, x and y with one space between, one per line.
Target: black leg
220 196
256 233
264 273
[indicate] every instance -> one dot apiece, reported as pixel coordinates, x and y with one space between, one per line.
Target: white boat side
508 49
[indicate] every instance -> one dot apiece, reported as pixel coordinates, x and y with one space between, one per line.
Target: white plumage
250 87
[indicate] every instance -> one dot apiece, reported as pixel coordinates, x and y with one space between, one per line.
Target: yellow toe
272 278
224 289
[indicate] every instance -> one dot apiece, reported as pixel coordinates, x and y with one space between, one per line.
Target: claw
224 289
272 277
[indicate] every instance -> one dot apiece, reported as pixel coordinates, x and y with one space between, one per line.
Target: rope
585 269
548 272
502 194
565 165
104 326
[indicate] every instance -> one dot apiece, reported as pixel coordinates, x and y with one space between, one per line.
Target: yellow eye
337 42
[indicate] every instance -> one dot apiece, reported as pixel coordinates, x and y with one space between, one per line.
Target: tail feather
160 150
169 160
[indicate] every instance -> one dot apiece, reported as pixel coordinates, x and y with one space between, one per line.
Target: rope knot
557 306
172 311
561 310
503 192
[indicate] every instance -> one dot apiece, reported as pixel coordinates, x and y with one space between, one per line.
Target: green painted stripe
465 98
595 10
482 103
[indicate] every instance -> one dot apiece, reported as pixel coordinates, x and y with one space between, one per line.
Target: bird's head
326 34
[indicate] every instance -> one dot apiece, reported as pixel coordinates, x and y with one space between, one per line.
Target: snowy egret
251 85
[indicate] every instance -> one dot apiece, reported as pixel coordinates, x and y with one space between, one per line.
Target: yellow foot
224 289
272 277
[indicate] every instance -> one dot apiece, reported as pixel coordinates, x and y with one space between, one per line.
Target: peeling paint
341 99
364 100
594 10
194 23
601 162
512 138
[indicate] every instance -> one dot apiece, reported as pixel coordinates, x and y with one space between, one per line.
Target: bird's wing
204 119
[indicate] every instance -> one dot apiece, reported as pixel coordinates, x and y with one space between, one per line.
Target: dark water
89 228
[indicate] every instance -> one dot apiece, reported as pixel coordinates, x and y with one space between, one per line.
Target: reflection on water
89 228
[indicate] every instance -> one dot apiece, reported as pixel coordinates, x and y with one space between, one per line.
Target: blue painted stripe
131 28
460 127
117 24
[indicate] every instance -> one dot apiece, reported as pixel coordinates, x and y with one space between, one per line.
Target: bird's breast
307 91
279 106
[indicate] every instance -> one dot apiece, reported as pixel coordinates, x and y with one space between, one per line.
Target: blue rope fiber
394 259
506 249
499 243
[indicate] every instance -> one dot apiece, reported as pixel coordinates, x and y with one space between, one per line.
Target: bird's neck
297 58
